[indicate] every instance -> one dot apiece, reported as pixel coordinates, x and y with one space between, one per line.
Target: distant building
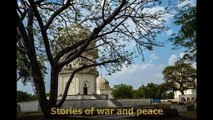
189 96
103 87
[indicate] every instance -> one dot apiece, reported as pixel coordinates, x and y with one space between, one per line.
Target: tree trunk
181 88
46 110
53 87
40 90
182 92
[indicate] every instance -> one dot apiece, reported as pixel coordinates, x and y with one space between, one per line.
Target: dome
74 33
102 83
102 80
71 35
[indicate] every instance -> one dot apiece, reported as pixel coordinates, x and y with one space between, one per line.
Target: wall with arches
190 99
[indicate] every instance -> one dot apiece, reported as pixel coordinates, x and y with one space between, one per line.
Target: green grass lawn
31 114
39 116
190 113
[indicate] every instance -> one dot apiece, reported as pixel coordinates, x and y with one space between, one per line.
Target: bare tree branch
43 32
38 2
103 34
103 9
22 30
84 57
68 49
95 47
111 17
57 13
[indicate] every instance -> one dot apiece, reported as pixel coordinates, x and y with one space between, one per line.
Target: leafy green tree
168 95
181 76
33 97
23 68
152 91
24 96
186 36
122 91
39 26
165 87
156 91
140 92
23 71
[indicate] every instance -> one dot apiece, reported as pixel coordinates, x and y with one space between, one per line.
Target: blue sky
142 72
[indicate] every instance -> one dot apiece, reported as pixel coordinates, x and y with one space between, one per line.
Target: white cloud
138 74
153 56
183 3
182 54
154 9
173 58
158 9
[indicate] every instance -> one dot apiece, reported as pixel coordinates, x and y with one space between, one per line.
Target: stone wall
87 103
134 102
31 106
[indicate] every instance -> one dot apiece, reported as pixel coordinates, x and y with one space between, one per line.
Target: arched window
188 100
183 99
192 99
85 87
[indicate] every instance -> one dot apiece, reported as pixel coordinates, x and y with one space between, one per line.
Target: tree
122 91
168 95
23 68
186 36
113 25
156 91
181 76
140 92
24 96
166 90
152 91
165 87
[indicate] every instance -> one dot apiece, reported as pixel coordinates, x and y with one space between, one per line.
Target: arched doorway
85 90
85 87
183 99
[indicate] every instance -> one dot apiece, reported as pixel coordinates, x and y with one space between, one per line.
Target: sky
142 72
